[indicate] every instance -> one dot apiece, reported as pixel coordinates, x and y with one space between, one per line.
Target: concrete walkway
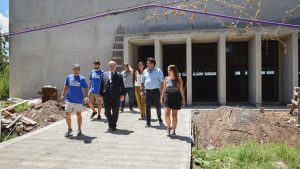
131 146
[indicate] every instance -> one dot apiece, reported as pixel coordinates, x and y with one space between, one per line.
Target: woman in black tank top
172 97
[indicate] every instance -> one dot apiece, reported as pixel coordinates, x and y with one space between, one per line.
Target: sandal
173 133
169 131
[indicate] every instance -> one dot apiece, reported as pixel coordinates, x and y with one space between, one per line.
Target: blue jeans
152 96
128 90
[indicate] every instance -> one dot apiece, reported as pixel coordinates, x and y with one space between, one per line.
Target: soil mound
230 125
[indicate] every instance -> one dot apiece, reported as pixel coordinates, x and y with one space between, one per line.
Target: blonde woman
137 85
172 97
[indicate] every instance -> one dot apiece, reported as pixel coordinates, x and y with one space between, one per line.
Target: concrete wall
45 57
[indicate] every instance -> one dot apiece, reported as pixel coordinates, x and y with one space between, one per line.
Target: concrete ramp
131 146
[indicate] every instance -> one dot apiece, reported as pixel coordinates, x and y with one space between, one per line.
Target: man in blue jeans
151 83
74 86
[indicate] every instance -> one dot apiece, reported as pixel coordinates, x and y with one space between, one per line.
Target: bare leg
68 120
167 117
99 102
79 120
174 119
91 102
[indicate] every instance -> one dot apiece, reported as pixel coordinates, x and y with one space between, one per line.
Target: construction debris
39 115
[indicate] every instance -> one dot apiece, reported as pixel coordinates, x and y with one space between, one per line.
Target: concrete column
158 53
189 72
288 66
129 53
222 70
254 74
126 49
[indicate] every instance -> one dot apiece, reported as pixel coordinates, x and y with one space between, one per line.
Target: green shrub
4 84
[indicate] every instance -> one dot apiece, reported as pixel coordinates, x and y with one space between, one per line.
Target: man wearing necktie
112 90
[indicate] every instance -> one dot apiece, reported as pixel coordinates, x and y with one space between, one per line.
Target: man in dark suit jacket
112 90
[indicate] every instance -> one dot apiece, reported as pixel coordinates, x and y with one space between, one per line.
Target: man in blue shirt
95 81
74 85
151 83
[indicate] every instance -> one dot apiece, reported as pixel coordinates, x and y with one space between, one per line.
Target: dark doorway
175 55
144 52
270 71
237 71
204 67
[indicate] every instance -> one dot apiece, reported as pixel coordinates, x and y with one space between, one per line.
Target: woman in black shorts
172 97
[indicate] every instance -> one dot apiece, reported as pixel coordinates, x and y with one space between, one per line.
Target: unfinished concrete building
215 67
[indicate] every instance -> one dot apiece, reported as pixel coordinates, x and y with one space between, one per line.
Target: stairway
117 50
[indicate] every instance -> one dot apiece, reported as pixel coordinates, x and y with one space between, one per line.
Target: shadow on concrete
101 120
182 138
130 111
161 126
86 139
120 132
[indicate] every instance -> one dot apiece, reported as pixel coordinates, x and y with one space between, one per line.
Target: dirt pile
47 113
229 125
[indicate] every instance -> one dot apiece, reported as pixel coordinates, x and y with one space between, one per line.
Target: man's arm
62 97
122 88
90 84
101 85
161 79
86 92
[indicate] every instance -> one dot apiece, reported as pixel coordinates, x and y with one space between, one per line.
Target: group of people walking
145 85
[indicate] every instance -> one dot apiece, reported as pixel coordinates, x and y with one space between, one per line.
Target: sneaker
68 133
147 126
131 108
122 110
99 117
114 129
79 132
173 133
93 114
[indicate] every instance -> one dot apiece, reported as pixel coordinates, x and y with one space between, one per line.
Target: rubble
39 115
230 125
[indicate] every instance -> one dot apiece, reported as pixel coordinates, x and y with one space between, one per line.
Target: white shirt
109 76
138 79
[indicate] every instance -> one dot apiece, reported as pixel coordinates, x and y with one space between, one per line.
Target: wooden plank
12 106
296 94
15 121
23 119
39 106
28 120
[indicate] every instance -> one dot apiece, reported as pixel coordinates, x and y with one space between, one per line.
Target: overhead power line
144 7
